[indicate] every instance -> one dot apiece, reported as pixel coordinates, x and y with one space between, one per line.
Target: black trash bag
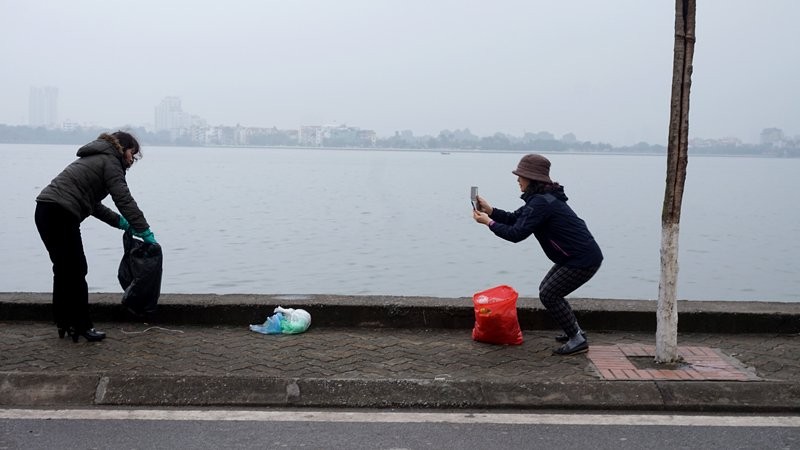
140 274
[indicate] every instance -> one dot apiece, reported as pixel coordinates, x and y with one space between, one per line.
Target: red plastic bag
496 316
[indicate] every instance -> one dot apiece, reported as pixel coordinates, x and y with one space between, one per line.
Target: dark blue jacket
563 236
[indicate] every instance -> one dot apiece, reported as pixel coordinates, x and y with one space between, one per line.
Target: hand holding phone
473 196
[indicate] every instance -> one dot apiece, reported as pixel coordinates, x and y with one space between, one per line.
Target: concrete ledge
731 396
26 389
194 390
36 389
422 312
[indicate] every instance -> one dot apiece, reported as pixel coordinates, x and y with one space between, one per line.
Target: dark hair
540 187
126 140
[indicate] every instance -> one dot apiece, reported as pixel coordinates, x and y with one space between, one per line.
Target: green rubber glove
146 236
123 224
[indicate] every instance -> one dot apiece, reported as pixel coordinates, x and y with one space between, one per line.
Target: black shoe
63 332
91 335
574 349
564 338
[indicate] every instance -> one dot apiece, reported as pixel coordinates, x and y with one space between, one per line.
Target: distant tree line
542 141
78 135
775 144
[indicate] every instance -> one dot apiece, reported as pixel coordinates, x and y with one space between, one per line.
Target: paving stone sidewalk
366 357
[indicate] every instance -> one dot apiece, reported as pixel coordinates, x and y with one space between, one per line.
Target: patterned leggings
559 282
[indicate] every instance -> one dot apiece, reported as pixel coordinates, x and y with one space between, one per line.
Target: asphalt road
367 429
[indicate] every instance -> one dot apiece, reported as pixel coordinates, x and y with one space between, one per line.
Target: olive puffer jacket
82 185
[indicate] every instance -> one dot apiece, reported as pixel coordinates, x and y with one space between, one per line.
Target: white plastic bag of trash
284 321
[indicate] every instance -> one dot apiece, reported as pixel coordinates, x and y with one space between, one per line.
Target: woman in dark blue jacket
563 236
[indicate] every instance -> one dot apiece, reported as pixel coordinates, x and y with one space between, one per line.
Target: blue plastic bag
271 326
284 321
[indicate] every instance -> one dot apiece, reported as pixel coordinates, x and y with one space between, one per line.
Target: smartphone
473 196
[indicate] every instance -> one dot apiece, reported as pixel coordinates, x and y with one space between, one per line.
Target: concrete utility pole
677 159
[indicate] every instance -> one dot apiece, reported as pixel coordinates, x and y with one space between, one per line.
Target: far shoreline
443 151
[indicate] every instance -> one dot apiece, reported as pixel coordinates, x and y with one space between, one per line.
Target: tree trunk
677 159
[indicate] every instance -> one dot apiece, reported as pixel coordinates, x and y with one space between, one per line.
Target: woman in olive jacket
70 198
563 236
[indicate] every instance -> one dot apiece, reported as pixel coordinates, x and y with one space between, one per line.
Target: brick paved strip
703 363
188 365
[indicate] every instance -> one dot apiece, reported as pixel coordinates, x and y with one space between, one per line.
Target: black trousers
61 233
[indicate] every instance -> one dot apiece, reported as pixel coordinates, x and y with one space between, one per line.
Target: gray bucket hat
534 167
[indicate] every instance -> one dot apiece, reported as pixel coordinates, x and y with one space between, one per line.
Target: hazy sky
601 70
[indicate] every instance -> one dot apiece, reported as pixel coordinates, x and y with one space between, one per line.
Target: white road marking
403 417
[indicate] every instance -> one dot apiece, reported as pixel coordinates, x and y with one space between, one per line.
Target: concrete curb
422 312
39 389
33 389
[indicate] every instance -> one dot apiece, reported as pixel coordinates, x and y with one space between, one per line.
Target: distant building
772 136
730 141
336 136
170 115
69 125
311 135
181 125
368 138
292 135
43 107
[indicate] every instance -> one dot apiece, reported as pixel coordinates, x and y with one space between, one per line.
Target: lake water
319 221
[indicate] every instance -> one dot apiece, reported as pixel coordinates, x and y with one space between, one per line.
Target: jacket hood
105 143
558 193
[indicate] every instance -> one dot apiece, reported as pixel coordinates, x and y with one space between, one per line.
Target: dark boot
575 345
91 335
564 338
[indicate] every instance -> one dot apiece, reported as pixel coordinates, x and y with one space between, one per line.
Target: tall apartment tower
43 107
169 114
